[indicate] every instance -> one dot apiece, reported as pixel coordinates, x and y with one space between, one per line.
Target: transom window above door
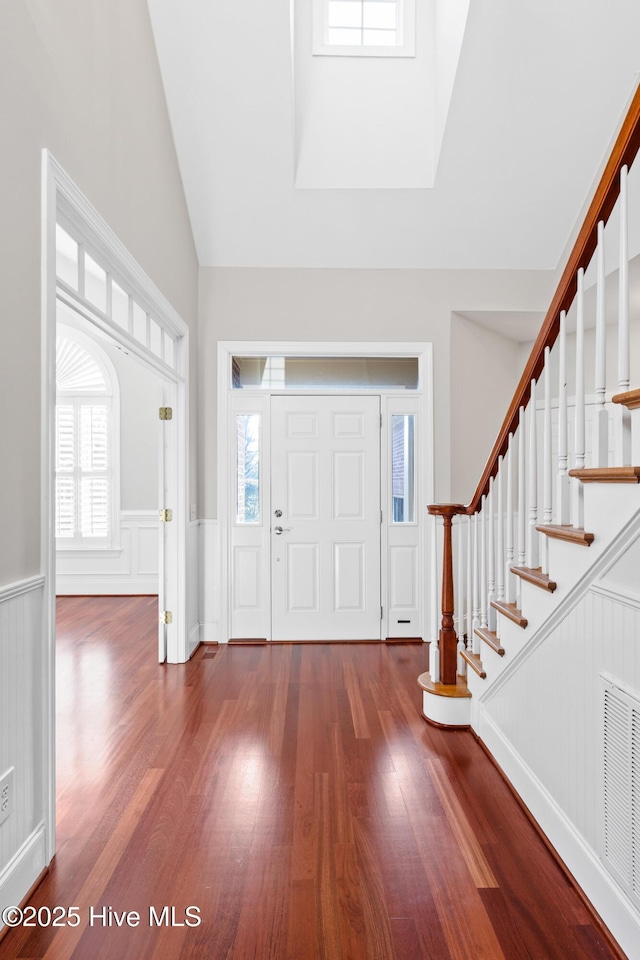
324 373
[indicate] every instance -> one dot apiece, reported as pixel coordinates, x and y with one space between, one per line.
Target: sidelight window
248 468
403 468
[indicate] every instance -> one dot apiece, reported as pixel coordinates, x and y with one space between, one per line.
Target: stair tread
474 661
560 531
535 576
455 690
607 474
491 639
630 399
510 611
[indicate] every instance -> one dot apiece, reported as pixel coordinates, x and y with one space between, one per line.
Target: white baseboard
194 639
101 587
23 870
616 911
209 632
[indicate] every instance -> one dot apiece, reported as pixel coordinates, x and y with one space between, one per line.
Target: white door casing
245 548
325 545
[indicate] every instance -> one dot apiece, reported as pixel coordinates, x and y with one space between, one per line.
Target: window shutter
94 460
65 466
83 448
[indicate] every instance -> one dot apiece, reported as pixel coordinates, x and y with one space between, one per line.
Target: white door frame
61 197
423 351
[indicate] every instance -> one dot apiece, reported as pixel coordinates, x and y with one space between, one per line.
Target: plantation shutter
83 480
94 467
65 471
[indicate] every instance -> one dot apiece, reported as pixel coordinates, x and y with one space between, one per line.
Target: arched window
86 483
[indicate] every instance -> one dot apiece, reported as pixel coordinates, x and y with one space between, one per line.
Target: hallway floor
295 796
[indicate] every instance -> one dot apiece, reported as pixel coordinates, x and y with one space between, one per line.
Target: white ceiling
540 90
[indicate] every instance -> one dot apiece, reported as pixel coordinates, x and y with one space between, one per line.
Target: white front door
325 518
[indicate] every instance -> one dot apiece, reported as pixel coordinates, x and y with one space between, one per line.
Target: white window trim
112 544
321 47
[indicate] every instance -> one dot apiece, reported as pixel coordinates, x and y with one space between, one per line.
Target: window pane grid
86 276
362 22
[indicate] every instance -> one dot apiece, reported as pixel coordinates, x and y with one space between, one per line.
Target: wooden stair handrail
624 152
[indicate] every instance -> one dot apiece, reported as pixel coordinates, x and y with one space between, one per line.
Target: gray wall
139 434
403 305
485 371
80 78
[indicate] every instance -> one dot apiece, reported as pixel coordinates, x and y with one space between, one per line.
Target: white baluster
476 586
483 565
434 651
580 454
459 598
522 504
547 501
623 416
508 576
491 558
469 583
500 537
532 533
563 499
601 418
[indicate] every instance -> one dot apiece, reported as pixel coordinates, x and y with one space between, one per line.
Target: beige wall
485 371
140 396
344 305
80 78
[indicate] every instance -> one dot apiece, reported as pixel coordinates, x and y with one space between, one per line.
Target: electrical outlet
6 795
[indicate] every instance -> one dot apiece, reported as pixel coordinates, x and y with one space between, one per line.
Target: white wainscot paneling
209 582
193 585
22 722
543 722
133 569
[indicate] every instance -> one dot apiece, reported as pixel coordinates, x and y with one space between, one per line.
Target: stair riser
493 663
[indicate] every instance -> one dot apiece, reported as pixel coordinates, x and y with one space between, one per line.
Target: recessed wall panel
348 486
302 425
348 426
246 573
403 577
302 577
348 576
302 486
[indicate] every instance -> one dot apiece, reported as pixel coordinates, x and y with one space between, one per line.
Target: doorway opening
325 455
93 285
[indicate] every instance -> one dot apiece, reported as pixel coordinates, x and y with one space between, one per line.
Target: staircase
513 555
535 644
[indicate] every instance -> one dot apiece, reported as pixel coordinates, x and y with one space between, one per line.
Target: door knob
280 530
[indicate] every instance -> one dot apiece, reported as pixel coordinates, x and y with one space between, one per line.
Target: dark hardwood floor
295 796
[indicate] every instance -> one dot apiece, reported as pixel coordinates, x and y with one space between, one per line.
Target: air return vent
621 833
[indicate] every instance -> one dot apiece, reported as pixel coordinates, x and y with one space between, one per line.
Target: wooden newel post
448 639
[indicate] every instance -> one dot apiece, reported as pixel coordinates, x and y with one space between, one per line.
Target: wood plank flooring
295 796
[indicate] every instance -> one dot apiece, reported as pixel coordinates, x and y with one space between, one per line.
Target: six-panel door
325 518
